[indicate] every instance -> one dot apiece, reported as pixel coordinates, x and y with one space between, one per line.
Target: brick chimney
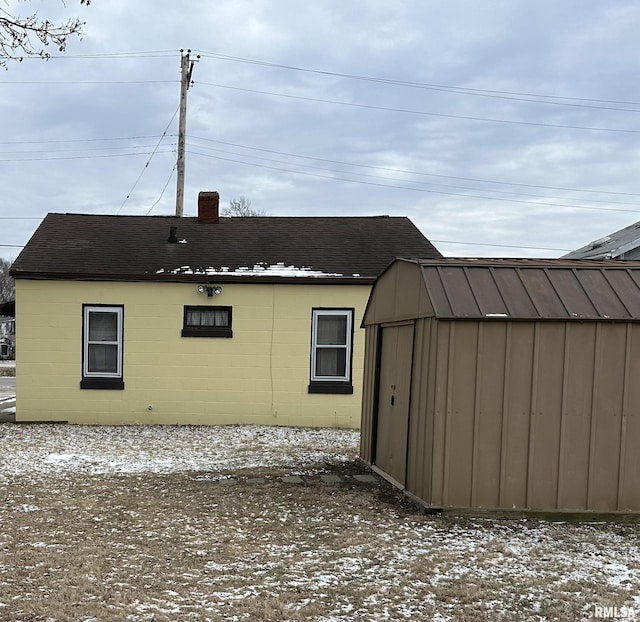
208 207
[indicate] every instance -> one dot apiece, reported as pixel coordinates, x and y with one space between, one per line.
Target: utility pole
186 68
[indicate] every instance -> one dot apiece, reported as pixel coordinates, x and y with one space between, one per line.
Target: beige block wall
259 376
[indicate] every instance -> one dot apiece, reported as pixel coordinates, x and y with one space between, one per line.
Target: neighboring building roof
532 289
613 246
95 247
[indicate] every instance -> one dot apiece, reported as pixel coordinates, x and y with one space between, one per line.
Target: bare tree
7 284
241 206
31 35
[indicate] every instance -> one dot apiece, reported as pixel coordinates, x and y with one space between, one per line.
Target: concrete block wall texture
258 376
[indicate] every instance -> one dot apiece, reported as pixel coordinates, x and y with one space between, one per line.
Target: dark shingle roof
81 246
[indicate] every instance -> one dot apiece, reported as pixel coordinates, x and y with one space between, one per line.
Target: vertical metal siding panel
459 461
629 497
521 357
368 393
488 429
448 376
623 419
420 419
439 356
431 354
546 416
415 450
563 416
605 446
534 411
577 405
477 392
504 432
594 399
404 380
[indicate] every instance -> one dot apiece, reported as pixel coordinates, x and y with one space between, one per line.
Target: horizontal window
331 345
204 321
102 347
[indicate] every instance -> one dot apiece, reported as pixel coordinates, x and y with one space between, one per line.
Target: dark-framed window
102 347
331 351
207 321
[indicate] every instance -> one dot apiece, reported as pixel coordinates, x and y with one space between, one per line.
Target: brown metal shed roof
533 289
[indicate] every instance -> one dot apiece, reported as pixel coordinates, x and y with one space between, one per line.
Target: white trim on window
340 347
111 368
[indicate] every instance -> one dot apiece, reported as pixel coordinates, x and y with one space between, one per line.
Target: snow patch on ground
59 449
351 555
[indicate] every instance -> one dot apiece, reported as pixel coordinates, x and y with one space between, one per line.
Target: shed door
393 401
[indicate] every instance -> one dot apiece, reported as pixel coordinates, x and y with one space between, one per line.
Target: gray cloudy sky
501 128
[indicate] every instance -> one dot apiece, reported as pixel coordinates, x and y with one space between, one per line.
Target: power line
165 187
422 183
54 151
76 82
438 87
111 55
411 172
305 157
86 157
377 79
149 160
77 140
532 248
421 112
423 190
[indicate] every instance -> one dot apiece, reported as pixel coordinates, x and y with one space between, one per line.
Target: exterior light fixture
210 289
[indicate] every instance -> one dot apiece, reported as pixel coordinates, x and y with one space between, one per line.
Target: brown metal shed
506 384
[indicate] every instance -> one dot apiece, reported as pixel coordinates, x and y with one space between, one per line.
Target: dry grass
186 547
140 523
7 370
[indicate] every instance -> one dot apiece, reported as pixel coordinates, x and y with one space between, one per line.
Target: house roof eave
196 278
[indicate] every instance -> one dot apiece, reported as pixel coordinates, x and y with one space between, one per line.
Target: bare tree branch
31 35
241 206
7 284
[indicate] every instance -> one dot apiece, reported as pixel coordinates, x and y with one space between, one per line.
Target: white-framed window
331 351
206 321
102 347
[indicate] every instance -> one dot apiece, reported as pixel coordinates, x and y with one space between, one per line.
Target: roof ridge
156 216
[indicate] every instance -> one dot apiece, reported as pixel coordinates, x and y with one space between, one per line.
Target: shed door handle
393 399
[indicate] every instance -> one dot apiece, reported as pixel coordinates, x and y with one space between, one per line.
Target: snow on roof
259 269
